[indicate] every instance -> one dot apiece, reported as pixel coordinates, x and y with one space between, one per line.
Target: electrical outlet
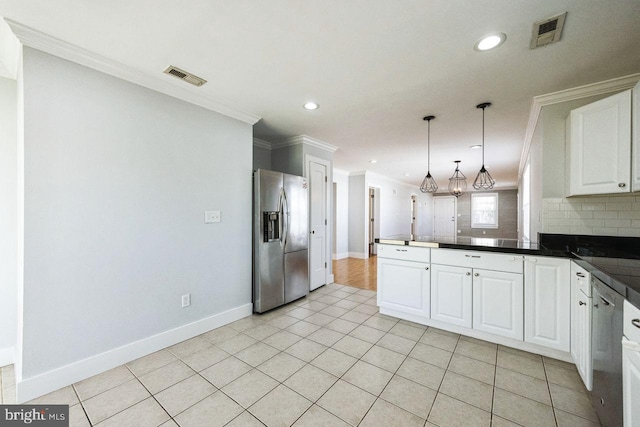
186 300
211 216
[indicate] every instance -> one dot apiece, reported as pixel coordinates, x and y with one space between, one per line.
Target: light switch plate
211 216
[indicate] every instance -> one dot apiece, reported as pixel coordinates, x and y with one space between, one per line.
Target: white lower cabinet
451 295
581 304
631 383
547 298
497 303
404 286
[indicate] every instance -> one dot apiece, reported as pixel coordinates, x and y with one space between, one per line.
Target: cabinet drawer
476 259
406 253
582 279
631 313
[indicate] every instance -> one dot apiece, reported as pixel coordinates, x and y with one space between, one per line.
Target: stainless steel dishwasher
606 352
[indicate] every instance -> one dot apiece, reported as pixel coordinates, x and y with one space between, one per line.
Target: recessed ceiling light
490 41
373 161
406 174
311 106
473 147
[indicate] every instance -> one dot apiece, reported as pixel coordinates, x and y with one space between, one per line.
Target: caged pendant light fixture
457 182
483 181
429 184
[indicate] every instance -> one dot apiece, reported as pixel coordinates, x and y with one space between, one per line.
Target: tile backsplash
614 215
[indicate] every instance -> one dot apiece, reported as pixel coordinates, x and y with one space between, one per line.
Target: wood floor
360 273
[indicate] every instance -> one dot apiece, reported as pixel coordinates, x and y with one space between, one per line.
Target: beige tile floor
329 360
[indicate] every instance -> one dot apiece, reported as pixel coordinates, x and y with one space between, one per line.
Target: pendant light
429 184
457 182
483 181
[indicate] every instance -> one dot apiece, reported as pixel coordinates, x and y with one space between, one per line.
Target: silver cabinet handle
477 274
426 268
472 256
468 274
401 250
582 303
622 185
604 301
636 323
579 274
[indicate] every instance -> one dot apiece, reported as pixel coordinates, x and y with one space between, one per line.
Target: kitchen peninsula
506 291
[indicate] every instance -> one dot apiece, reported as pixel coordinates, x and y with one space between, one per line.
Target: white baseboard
44 383
341 255
331 278
520 345
7 356
359 255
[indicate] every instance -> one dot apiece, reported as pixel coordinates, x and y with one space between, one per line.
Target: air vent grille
547 31
184 75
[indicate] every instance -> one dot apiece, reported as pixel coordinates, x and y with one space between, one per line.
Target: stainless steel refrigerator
280 239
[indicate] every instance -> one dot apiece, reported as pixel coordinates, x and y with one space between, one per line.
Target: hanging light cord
483 136
428 146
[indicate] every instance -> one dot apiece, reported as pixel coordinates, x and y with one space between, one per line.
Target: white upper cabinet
547 295
635 139
599 147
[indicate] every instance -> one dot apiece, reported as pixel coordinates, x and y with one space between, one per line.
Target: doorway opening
414 200
374 219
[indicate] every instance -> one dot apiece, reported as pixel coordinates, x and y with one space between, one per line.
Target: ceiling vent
547 31
183 75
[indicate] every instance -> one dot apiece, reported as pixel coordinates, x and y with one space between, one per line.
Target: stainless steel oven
606 352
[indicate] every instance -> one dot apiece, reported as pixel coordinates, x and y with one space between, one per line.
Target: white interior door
444 216
318 224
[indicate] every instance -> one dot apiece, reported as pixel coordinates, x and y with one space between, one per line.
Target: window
484 210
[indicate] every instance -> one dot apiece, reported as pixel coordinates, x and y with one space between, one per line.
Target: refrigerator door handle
281 213
285 215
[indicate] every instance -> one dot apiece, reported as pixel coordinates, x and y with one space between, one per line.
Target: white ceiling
375 67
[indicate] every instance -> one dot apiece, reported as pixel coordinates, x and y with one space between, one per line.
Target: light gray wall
117 179
507 216
357 218
288 159
342 213
261 158
8 210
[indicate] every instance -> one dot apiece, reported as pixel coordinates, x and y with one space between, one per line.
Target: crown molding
54 46
599 88
261 143
304 139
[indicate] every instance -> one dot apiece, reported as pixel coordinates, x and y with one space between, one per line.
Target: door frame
327 209
455 214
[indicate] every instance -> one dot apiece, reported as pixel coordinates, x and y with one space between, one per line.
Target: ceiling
376 67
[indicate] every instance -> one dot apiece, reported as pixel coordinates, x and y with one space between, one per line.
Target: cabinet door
547 298
635 139
451 293
600 146
498 303
630 383
581 323
404 286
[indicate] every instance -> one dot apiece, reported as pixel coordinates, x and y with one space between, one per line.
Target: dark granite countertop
473 243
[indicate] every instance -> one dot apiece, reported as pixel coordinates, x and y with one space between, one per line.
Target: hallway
360 273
